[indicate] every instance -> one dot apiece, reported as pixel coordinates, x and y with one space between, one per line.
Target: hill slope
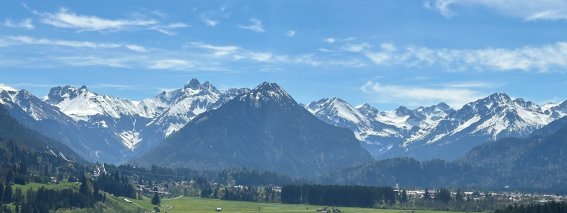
10 129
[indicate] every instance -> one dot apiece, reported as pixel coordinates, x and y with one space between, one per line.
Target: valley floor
198 205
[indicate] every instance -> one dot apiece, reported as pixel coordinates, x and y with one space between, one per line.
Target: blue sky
386 53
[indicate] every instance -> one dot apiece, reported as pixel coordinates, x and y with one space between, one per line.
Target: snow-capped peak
491 117
81 103
272 89
556 111
268 92
336 108
367 110
193 84
4 87
549 105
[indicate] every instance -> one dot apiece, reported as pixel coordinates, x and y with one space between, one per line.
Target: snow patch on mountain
5 87
81 103
130 138
394 119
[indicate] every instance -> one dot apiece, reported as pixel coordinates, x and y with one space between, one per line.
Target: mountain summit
261 129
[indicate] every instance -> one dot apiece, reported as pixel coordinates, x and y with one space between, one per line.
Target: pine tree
155 199
8 194
443 195
83 189
96 194
427 195
459 196
18 196
1 192
404 196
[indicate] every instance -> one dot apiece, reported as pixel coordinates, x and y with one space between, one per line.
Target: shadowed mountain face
10 129
262 129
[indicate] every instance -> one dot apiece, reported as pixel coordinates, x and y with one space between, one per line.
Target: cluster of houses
498 196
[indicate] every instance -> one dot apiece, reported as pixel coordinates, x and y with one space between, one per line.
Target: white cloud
413 95
470 84
215 49
210 22
168 28
255 25
67 19
291 33
70 20
26 24
528 58
195 56
330 40
528 10
88 61
26 40
383 56
239 54
114 86
136 48
171 64
356 48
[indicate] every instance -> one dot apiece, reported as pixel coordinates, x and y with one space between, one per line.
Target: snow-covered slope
139 125
109 129
46 119
81 103
380 131
495 116
124 118
175 108
264 129
437 131
556 111
339 113
171 110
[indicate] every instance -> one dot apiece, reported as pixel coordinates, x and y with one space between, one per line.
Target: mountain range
264 129
109 129
534 163
437 131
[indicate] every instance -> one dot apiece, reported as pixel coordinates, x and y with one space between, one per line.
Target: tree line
338 195
115 184
550 207
44 200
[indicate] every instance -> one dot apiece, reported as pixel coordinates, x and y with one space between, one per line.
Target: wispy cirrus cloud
27 40
420 95
168 29
94 61
209 21
255 25
172 64
67 19
543 58
216 50
26 24
528 10
115 86
291 33
470 84
237 53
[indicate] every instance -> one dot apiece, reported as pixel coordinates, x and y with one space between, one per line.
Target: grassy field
197 205
36 186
